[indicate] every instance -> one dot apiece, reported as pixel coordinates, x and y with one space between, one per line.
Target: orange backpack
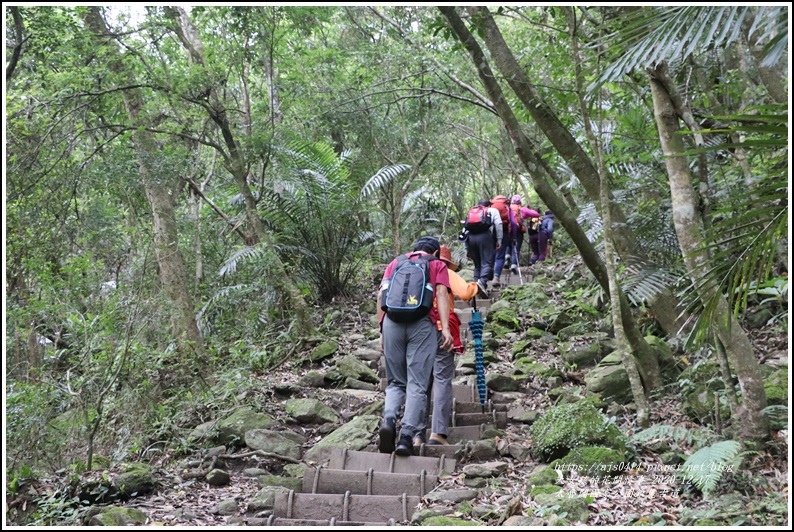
516 208
501 204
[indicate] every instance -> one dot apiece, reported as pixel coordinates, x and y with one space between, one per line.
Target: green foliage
706 467
317 213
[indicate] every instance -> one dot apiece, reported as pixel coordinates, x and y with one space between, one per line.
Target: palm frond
706 466
653 34
382 177
772 24
643 281
230 265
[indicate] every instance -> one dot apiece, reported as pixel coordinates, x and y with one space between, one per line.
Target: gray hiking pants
409 350
443 373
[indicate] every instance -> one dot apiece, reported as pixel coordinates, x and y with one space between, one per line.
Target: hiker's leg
475 254
443 373
395 343
421 354
542 241
499 261
533 245
487 253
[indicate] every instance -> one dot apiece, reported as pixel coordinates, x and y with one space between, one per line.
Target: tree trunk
570 150
751 423
649 366
160 191
626 344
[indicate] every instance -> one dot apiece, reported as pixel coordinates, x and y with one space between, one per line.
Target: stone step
495 418
462 407
345 507
481 304
437 451
281 521
392 463
371 482
465 433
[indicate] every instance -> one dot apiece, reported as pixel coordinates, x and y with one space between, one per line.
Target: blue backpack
409 296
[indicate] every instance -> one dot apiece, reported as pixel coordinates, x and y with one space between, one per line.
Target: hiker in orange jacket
444 366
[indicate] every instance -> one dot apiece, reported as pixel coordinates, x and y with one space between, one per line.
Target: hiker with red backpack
413 296
501 204
483 237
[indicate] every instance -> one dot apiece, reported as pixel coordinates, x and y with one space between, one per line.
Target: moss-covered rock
776 387
542 475
442 520
310 411
136 480
324 350
571 509
231 429
118 516
609 380
507 318
699 405
543 489
594 461
520 349
568 426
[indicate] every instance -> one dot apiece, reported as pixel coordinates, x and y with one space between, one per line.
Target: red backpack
477 220
501 204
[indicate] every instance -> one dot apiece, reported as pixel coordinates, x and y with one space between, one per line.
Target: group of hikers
494 233
420 331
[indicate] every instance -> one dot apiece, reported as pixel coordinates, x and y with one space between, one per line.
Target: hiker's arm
460 288
442 300
378 304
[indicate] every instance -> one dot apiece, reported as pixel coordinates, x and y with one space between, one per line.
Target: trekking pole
518 266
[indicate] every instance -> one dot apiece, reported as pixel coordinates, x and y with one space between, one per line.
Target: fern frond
705 468
777 414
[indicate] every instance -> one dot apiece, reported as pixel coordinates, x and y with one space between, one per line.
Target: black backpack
409 296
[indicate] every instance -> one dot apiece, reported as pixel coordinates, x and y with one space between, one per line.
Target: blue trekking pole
476 326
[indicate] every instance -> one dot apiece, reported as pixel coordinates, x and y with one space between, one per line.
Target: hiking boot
496 283
513 268
420 438
386 433
482 291
437 439
405 447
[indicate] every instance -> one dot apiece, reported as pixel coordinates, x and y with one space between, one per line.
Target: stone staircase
369 488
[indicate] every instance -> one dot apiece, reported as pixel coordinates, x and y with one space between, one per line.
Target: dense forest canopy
185 186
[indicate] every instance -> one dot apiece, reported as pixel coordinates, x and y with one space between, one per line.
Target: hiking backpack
516 208
409 296
500 204
533 224
477 220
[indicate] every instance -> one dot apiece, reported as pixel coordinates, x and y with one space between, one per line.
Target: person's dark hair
484 202
549 212
428 244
